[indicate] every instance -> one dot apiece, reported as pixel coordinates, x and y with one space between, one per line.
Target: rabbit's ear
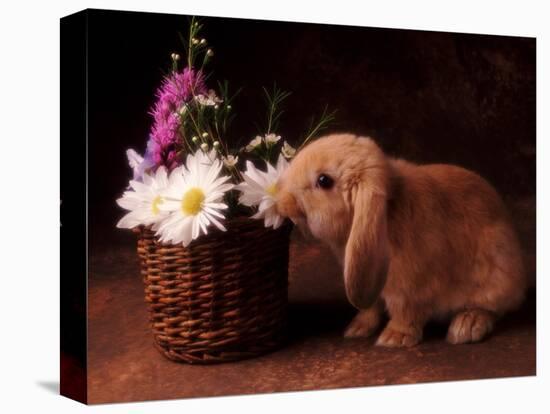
366 256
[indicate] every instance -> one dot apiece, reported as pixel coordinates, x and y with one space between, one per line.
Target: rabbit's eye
325 182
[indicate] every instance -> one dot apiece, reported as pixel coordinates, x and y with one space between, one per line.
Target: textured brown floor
124 365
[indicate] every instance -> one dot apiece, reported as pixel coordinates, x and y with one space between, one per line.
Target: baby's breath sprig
193 44
175 59
274 99
315 127
207 56
224 114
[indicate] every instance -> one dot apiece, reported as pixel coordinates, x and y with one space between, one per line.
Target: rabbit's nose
286 205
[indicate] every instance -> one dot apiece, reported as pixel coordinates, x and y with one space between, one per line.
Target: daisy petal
219 206
213 212
217 223
129 221
195 228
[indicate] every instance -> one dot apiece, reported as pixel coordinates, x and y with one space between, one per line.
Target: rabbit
421 242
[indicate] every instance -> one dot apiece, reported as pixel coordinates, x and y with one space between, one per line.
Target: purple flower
138 164
176 89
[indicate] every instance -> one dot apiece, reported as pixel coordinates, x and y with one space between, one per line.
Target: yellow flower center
191 202
155 205
271 190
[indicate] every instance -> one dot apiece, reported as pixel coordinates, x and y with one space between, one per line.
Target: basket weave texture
223 297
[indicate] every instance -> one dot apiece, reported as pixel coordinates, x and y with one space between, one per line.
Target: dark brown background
424 96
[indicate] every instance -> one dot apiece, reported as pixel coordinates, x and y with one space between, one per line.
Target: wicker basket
222 298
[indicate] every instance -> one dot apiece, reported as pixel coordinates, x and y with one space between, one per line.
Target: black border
74 205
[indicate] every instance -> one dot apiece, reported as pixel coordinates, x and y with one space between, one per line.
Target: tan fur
428 241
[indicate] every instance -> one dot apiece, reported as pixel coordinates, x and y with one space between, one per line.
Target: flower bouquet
213 250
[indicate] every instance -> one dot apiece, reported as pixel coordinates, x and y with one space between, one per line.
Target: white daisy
254 143
272 139
259 189
208 100
183 110
193 199
288 151
230 161
144 201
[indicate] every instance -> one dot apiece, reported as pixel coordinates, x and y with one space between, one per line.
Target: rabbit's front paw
470 326
364 324
393 337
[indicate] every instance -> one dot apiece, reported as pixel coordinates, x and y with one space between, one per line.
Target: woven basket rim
230 224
